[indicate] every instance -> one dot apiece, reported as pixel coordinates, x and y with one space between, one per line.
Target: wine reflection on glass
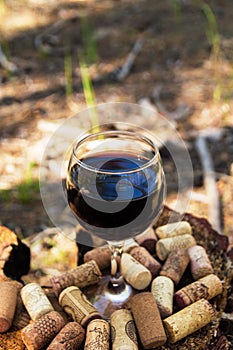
116 189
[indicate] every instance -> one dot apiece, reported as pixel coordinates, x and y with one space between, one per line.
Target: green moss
27 191
5 195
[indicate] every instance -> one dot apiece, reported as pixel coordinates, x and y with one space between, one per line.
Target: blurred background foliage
57 57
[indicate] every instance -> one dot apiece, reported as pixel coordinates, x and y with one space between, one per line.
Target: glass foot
107 298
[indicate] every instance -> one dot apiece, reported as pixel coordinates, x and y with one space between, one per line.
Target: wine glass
116 188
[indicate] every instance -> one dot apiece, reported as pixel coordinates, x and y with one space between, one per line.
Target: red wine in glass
115 187
138 193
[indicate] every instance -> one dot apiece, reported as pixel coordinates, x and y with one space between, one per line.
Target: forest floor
183 69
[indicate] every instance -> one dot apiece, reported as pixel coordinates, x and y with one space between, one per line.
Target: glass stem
116 280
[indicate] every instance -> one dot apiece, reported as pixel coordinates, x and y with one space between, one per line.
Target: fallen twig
180 113
46 40
9 66
209 177
199 197
146 103
125 69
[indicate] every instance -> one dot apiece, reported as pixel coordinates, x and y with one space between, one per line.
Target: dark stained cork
70 337
101 255
175 265
146 259
81 276
148 320
39 334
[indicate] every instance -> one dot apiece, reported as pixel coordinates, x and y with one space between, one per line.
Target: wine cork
137 275
70 337
189 320
146 259
175 265
200 264
8 299
162 289
147 239
174 229
165 245
18 284
123 331
40 333
207 287
36 302
21 316
54 301
98 335
81 276
3 277
129 244
101 255
20 321
76 304
148 321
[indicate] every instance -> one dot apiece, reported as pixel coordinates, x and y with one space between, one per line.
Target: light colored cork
98 335
36 302
146 259
101 255
207 287
129 244
39 334
173 229
76 304
189 320
200 264
137 275
165 245
148 320
81 276
123 331
162 289
8 299
70 337
175 265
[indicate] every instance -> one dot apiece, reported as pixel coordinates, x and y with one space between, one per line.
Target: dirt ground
184 69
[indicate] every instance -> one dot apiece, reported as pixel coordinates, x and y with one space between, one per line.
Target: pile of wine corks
161 312
154 265
57 320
